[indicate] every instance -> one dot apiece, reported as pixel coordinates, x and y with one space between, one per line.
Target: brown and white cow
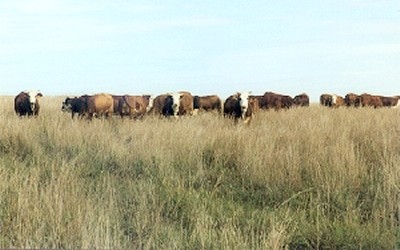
337 101
76 105
27 103
239 106
99 105
207 103
302 100
162 105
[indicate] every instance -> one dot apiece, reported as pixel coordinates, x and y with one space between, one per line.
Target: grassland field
305 178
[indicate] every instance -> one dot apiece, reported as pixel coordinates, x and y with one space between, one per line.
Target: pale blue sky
66 47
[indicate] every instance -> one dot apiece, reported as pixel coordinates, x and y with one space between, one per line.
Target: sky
64 47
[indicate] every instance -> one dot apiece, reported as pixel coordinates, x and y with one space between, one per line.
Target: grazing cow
337 101
76 105
325 100
239 106
301 100
368 100
207 103
27 103
134 106
389 101
275 101
99 104
352 100
162 105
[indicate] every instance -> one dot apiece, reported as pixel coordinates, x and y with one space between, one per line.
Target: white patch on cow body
398 104
176 102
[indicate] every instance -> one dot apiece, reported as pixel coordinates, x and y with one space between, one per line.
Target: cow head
33 97
244 102
66 105
151 103
176 102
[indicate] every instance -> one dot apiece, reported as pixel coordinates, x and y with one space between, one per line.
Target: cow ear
39 94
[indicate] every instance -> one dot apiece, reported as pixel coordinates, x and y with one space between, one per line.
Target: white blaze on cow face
33 95
244 102
176 101
151 103
334 99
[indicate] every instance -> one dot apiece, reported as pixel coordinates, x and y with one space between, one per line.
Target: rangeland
300 178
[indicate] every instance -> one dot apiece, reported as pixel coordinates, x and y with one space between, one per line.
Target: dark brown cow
116 100
76 105
207 103
368 100
134 106
352 100
27 103
99 104
240 106
389 101
162 105
275 101
301 100
325 100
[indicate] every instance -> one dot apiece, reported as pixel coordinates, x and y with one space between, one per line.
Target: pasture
303 178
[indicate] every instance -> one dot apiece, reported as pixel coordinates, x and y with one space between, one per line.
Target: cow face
33 97
66 105
176 102
244 102
151 103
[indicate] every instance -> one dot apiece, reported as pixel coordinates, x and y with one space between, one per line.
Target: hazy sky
206 47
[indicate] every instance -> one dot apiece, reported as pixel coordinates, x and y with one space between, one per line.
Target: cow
99 104
162 105
368 100
134 106
389 101
275 101
27 103
76 105
301 100
325 100
207 103
239 106
337 101
352 100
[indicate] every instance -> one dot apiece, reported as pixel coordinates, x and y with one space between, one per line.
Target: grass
298 179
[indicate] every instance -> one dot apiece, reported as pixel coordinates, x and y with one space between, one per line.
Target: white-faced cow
239 106
27 103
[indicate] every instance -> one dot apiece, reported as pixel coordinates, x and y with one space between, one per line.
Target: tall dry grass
303 178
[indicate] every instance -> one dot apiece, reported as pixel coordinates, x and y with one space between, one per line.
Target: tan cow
99 105
134 106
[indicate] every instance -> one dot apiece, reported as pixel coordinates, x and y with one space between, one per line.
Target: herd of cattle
241 105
